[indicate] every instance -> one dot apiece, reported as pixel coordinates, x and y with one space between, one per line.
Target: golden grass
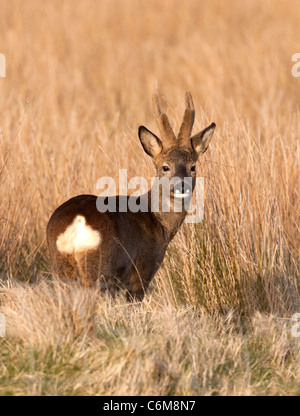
79 82
81 344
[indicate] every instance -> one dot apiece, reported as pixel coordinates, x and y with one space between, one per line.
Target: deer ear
151 143
201 140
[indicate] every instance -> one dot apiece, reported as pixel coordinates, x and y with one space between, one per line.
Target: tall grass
79 82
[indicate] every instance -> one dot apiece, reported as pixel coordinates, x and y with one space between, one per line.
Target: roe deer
124 250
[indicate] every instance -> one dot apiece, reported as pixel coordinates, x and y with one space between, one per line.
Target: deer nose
182 189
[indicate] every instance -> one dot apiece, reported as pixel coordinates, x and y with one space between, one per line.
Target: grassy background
79 83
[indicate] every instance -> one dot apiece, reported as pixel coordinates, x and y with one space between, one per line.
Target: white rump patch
78 237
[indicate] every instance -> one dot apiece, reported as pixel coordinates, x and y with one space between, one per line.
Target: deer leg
64 266
88 267
137 287
139 282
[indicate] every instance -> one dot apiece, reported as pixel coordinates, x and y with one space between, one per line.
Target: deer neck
169 222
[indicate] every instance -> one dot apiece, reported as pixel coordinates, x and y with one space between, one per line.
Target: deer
124 250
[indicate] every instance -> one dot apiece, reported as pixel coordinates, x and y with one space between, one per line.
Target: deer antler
163 123
188 119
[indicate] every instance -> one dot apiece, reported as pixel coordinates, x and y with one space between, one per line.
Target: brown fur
132 245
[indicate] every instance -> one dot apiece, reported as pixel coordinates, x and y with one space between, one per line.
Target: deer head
176 157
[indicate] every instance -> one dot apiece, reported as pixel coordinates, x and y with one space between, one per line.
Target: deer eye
193 168
166 168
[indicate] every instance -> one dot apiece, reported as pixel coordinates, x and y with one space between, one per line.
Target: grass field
79 80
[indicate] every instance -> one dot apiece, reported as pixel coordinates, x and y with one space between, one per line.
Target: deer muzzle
182 189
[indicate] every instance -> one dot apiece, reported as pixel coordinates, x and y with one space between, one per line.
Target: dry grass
82 345
79 82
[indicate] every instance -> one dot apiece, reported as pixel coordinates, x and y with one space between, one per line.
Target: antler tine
156 106
188 118
163 123
189 101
